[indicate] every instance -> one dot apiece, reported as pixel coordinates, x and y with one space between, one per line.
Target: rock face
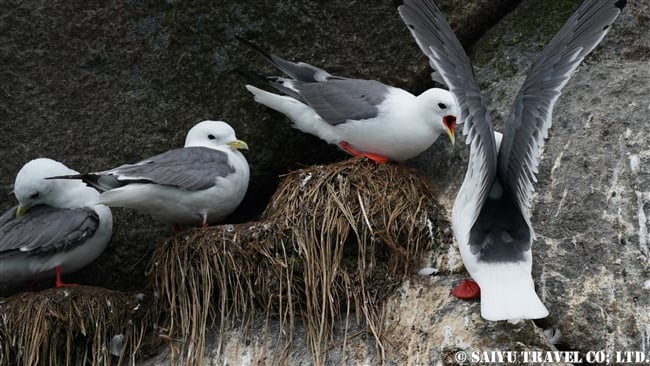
96 86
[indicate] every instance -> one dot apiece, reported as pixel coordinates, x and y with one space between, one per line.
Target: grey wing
297 70
530 117
45 230
192 168
8 216
446 55
337 101
435 75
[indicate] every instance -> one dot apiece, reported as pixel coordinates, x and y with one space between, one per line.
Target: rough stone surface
593 258
95 86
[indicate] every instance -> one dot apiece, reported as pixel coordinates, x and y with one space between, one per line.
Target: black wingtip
620 4
74 176
90 179
253 75
244 41
266 54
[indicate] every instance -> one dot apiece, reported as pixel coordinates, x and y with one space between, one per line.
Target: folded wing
191 168
46 230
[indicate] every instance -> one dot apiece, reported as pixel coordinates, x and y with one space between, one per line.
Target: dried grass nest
334 241
78 325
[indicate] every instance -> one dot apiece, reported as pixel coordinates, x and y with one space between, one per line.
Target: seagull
363 117
490 217
57 227
198 184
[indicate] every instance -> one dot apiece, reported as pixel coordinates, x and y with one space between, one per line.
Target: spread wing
530 116
446 55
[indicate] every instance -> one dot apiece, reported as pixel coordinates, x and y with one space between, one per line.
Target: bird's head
445 111
214 134
31 187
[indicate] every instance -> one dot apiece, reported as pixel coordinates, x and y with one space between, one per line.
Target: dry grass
74 326
333 243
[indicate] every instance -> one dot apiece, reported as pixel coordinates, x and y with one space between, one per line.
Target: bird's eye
442 106
211 137
34 196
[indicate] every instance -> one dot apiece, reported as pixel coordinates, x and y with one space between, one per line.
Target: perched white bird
198 184
57 227
363 117
490 217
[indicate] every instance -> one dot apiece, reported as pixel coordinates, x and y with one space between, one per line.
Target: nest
78 325
334 242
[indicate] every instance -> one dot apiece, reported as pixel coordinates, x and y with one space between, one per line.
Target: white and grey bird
490 217
363 117
198 184
57 227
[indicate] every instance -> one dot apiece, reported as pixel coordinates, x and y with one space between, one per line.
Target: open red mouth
450 122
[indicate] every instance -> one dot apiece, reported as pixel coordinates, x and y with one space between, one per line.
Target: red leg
60 283
204 221
177 229
467 290
374 157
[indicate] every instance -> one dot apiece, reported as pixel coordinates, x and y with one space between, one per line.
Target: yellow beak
22 209
451 135
238 144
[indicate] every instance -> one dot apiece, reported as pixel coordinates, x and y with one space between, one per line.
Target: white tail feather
508 293
269 99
